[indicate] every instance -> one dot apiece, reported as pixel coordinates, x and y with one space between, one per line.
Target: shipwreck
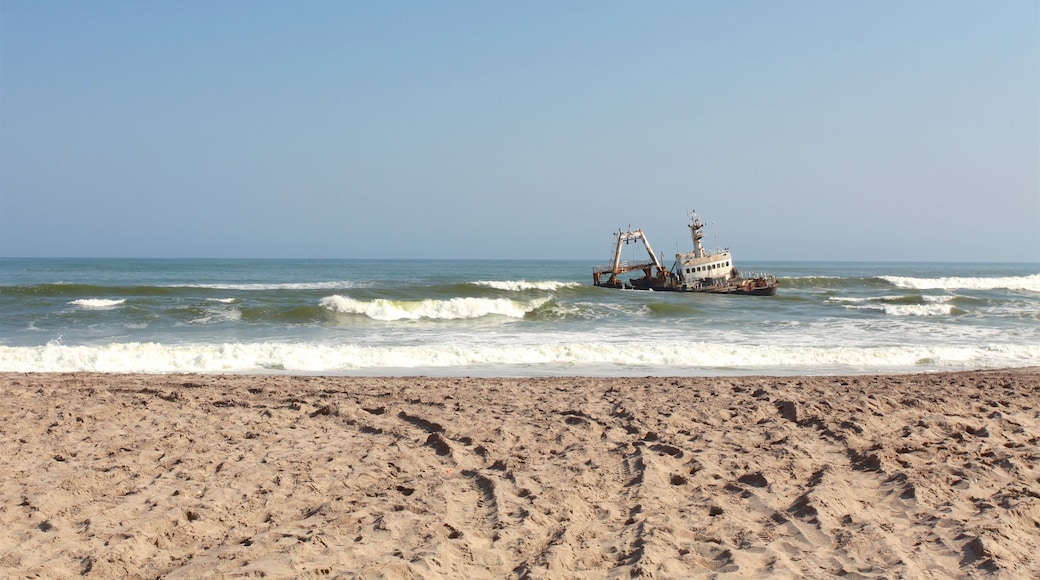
697 271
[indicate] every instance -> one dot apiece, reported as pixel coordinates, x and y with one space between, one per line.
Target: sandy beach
187 476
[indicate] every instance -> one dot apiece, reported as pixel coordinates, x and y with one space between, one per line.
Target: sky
803 130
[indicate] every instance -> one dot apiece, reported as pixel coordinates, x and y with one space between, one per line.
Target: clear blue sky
807 130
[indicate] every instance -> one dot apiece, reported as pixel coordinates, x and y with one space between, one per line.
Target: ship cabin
705 270
701 268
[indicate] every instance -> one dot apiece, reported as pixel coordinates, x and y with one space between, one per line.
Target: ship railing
705 283
757 275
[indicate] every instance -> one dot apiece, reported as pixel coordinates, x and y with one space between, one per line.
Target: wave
829 282
98 303
918 309
61 289
450 309
895 309
335 285
910 305
295 315
670 309
940 299
1028 283
610 358
521 285
217 315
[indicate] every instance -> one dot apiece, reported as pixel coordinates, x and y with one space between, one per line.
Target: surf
614 358
1027 283
459 308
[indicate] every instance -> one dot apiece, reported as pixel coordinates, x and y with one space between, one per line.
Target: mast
695 232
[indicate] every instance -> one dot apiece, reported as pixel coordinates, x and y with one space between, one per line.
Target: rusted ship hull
763 286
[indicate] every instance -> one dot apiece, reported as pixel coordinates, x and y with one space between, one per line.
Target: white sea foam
939 299
1029 283
917 309
451 309
520 285
222 314
609 357
98 303
866 299
939 309
221 300
847 299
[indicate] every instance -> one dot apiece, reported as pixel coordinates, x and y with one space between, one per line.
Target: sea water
506 318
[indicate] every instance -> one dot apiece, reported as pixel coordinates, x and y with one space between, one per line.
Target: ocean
506 318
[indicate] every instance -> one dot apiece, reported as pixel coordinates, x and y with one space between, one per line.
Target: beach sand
187 476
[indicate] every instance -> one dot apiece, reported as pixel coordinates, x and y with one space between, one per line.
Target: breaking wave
638 357
98 303
907 309
521 285
1029 283
900 305
215 315
451 309
917 309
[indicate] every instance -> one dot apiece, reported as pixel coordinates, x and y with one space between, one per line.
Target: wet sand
187 476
